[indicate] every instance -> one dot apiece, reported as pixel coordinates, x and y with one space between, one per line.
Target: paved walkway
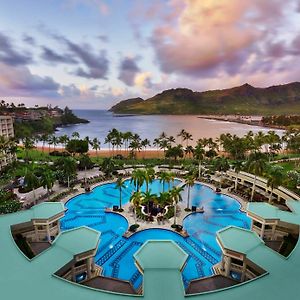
40 192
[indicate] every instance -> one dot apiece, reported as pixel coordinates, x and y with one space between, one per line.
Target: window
257 224
236 261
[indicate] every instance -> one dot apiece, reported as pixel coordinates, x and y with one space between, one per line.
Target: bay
151 126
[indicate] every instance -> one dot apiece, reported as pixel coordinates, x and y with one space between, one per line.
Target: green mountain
245 99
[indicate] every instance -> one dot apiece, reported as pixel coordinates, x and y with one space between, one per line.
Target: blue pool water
115 253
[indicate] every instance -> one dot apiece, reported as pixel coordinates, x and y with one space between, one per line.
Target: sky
95 53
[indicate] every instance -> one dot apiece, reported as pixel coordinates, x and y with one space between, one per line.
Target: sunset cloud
19 81
128 70
95 64
217 35
10 55
98 51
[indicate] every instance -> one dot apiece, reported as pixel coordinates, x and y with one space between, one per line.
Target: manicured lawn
35 155
289 166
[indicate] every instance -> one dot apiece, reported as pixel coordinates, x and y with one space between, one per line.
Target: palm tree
164 144
28 145
64 140
108 166
189 150
171 140
187 137
138 178
164 177
85 162
199 154
237 167
108 140
164 198
147 198
175 194
221 164
275 179
127 137
75 135
163 136
149 177
69 168
181 134
96 145
53 140
44 139
136 199
47 180
189 181
259 140
4 145
31 181
145 143
273 140
135 146
120 184
256 165
156 143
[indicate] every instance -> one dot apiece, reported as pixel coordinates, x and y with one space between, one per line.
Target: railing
262 182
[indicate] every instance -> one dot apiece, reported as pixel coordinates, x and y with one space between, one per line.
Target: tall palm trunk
271 194
199 169
34 196
120 198
189 192
175 212
48 194
236 182
135 218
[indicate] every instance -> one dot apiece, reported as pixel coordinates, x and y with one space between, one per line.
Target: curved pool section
115 252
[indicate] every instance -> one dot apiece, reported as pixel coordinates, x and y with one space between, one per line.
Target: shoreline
148 153
241 121
226 118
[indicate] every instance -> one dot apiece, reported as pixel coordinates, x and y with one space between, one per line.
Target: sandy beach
106 153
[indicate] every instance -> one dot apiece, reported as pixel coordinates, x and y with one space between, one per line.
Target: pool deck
181 215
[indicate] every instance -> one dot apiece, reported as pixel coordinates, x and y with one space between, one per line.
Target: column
73 273
273 232
48 233
58 227
88 268
243 271
93 266
227 266
36 234
262 232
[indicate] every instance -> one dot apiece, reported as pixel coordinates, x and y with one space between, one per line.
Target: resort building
236 243
83 243
273 225
279 194
6 131
36 234
69 263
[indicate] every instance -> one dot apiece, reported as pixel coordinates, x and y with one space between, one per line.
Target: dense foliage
8 202
245 99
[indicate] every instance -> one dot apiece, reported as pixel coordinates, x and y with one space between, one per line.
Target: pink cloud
219 36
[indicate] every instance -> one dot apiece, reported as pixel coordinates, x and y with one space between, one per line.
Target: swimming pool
115 252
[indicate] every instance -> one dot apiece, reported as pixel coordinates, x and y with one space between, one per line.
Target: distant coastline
248 120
